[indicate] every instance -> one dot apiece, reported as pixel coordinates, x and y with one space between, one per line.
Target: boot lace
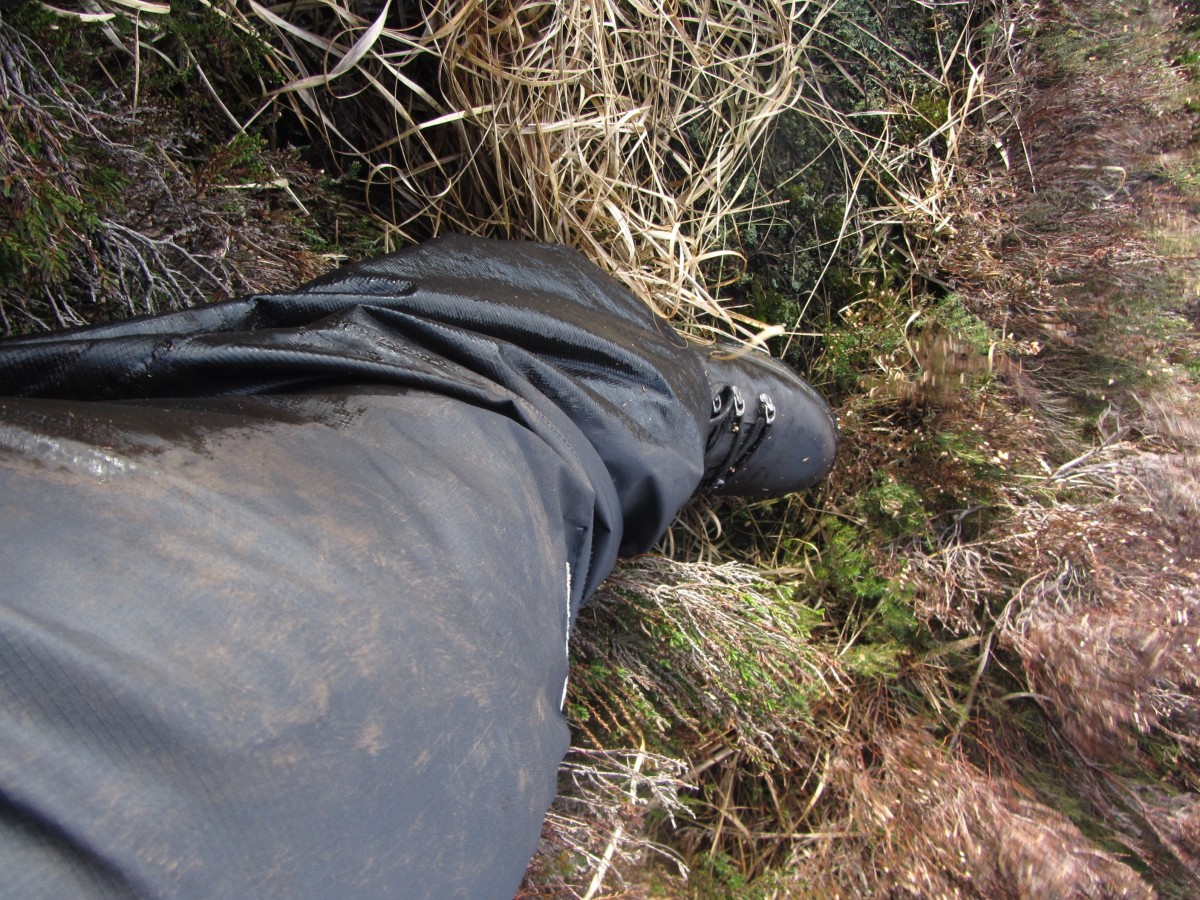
729 418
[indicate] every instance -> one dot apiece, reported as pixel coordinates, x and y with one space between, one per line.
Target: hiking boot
769 433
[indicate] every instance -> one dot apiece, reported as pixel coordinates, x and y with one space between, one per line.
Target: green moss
885 42
769 305
874 661
196 38
895 508
951 314
48 210
864 332
878 607
846 568
241 159
893 620
922 117
43 220
718 876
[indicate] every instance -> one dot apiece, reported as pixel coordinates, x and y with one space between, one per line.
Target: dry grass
631 131
670 654
690 645
917 821
627 131
596 830
1089 568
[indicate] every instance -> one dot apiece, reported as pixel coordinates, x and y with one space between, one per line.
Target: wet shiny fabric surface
287 582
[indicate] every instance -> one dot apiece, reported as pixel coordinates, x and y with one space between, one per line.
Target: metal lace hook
768 408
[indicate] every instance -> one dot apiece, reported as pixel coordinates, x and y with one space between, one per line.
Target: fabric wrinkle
328 643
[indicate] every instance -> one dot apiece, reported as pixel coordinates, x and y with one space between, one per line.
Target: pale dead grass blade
631 131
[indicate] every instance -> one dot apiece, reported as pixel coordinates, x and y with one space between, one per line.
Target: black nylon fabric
288 582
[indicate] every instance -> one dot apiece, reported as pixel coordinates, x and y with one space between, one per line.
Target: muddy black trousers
287 583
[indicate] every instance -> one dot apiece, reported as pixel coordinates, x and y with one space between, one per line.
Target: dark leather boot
770 432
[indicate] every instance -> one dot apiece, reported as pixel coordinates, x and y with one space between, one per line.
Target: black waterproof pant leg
286 584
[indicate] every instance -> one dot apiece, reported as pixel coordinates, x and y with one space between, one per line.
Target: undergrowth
122 198
1000 573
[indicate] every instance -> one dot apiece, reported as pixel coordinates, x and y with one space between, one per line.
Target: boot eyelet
768 408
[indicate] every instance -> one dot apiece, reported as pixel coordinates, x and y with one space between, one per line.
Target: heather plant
121 200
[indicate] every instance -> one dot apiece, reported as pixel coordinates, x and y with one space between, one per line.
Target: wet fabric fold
288 581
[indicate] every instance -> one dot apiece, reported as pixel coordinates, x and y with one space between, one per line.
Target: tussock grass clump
711 649
634 131
626 130
711 658
597 825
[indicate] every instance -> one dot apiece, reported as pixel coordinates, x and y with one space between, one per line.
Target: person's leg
293 646
288 581
484 321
